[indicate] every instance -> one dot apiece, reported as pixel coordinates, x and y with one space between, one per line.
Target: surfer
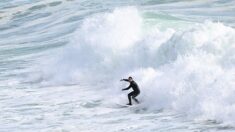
135 92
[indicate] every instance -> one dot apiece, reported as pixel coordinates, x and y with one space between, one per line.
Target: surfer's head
130 79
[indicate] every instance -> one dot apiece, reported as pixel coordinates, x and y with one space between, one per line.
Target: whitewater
61 62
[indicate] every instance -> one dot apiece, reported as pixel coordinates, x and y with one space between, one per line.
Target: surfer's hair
130 77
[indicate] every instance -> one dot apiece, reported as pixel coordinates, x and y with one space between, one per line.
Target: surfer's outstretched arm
124 80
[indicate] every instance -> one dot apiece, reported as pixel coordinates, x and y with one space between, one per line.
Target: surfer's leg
129 97
133 97
136 100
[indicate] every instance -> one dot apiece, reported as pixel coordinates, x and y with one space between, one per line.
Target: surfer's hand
123 89
121 80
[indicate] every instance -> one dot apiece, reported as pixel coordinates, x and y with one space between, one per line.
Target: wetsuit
134 93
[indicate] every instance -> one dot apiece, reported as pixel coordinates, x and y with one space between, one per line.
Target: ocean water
61 62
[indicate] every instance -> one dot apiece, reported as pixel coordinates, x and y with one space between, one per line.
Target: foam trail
189 70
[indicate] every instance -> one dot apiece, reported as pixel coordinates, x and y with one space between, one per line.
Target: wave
188 70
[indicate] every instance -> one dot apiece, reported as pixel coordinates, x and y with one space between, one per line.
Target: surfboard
123 105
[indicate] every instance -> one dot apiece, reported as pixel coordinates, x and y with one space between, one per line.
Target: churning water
61 62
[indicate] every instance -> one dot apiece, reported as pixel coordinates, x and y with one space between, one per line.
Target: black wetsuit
134 93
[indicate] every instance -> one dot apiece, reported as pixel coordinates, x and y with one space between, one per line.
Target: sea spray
189 70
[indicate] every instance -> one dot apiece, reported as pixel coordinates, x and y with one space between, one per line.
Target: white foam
190 71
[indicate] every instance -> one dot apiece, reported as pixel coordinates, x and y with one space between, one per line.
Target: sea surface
61 62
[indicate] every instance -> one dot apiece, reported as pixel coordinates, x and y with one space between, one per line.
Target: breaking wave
188 70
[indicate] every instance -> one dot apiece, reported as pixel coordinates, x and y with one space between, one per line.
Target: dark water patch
19 15
8 6
7 27
211 122
222 128
37 7
26 105
139 110
91 4
73 18
29 110
55 3
33 17
222 2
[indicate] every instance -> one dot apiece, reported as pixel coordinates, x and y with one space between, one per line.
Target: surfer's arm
127 87
124 80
